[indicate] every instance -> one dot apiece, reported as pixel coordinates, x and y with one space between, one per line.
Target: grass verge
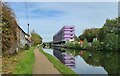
58 65
25 65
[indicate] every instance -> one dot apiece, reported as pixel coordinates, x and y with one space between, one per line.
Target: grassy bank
9 62
58 65
25 65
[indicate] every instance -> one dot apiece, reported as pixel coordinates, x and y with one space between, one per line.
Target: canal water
87 62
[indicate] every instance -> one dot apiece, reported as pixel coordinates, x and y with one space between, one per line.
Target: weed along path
42 65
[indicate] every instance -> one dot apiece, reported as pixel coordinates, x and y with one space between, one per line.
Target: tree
9 34
111 26
109 34
76 38
96 45
111 42
85 44
119 31
35 38
81 37
89 34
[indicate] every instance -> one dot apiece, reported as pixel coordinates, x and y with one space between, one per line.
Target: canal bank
58 65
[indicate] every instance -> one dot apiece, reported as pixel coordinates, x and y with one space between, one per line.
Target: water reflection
89 62
65 58
108 60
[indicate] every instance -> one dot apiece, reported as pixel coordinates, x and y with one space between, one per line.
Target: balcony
69 33
68 36
68 29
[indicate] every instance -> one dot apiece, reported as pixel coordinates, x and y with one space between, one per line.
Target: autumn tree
9 37
36 38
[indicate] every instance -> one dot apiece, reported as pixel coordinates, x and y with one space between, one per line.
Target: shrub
26 47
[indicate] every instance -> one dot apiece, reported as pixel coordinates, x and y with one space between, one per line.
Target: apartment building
66 33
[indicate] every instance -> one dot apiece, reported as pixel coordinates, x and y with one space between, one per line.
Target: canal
87 62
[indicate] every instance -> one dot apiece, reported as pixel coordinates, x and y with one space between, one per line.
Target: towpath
42 65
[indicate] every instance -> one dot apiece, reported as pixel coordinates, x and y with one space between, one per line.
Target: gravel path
42 65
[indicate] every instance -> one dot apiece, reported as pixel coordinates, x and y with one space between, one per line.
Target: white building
22 38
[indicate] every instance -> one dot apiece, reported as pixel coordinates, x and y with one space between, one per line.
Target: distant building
66 33
22 37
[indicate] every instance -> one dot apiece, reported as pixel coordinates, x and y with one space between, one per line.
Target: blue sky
46 18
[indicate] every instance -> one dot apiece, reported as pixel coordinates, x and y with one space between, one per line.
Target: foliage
96 45
69 44
9 23
76 38
108 36
85 44
111 26
81 37
109 60
36 38
89 34
111 42
77 45
119 31
26 47
73 45
25 65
